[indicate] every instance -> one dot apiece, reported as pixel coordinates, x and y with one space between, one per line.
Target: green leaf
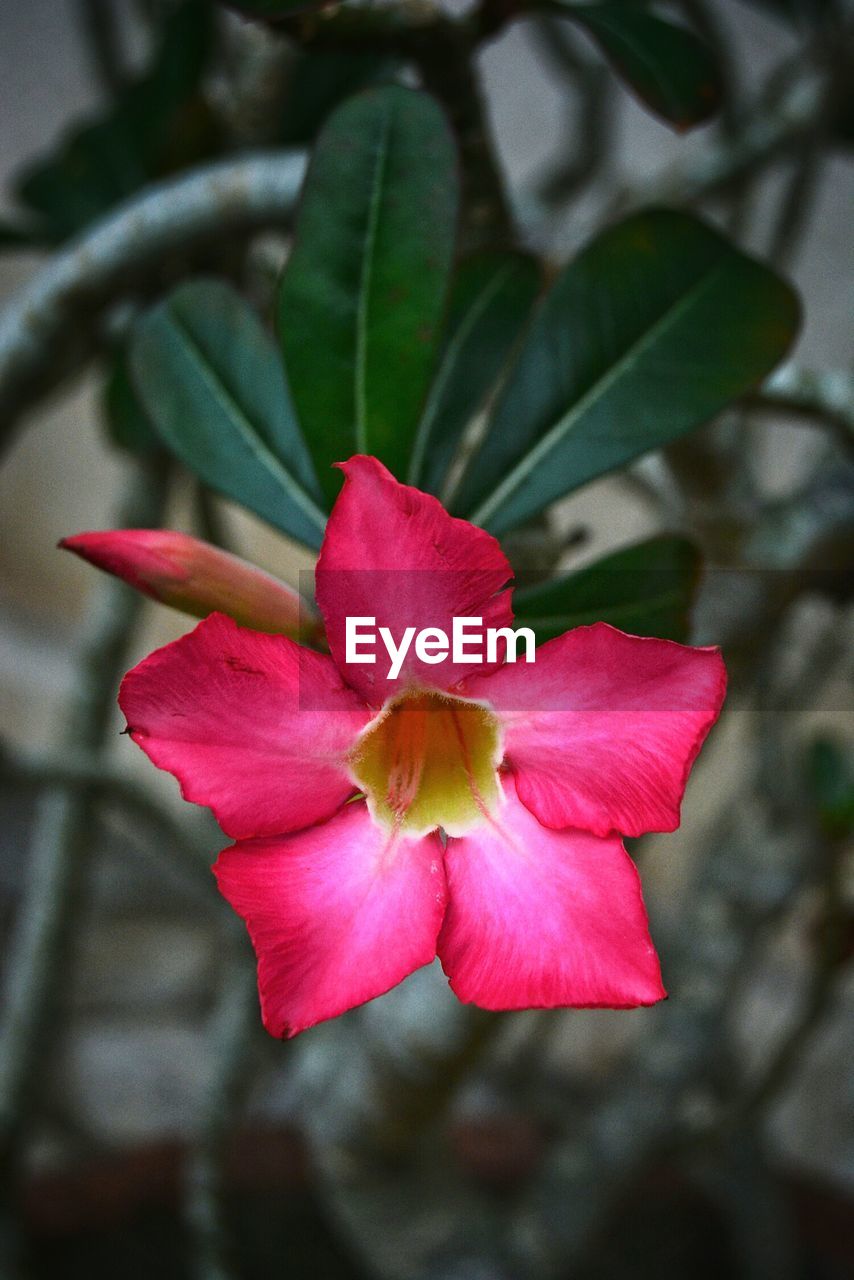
646 589
362 296
320 80
158 124
491 299
830 772
651 331
842 119
669 68
210 380
128 424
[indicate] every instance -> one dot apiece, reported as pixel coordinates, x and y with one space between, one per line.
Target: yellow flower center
430 760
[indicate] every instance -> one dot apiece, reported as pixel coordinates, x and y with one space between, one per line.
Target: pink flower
195 577
335 782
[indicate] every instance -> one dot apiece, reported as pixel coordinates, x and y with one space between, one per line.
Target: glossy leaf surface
668 67
210 380
128 424
491 300
363 293
651 331
646 589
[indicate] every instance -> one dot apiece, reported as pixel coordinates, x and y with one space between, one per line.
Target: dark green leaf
158 124
491 300
669 68
831 778
210 380
656 327
363 293
842 120
15 235
646 589
320 80
128 425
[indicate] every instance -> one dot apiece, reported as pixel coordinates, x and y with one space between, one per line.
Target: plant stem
52 328
98 19
444 51
61 841
187 854
448 72
234 1024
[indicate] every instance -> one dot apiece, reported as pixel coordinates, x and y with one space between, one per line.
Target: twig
813 395
789 1052
60 844
209 518
590 125
409 1107
236 1017
232 1036
586 1169
98 19
796 101
797 201
749 870
447 68
832 943
705 16
183 851
52 327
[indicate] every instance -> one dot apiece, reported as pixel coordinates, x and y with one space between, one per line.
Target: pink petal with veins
394 554
338 914
253 726
540 919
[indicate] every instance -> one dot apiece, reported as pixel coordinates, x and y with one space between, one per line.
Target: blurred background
163 1133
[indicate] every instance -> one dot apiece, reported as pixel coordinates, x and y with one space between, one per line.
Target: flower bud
198 579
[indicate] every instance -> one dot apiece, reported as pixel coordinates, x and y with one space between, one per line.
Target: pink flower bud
198 579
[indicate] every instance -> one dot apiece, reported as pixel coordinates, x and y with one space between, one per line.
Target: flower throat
430 760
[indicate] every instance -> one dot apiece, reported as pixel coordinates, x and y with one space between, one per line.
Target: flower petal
338 914
541 919
394 554
602 730
254 726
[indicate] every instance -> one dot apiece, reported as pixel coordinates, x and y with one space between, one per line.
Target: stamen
430 761
408 754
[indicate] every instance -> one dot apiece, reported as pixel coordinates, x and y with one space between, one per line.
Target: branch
795 103
61 841
180 849
234 1024
797 201
98 19
586 1169
749 869
447 68
821 396
53 325
589 119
